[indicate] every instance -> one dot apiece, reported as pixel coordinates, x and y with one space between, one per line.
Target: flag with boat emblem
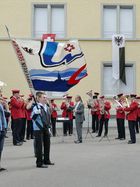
51 66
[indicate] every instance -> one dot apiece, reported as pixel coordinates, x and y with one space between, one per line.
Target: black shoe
49 163
2 169
24 141
98 136
130 142
42 166
78 141
18 144
93 131
122 138
117 138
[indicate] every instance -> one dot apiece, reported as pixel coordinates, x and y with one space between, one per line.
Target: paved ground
90 164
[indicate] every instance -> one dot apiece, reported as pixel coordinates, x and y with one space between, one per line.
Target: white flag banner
118 42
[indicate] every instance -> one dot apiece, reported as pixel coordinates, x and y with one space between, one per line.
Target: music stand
88 130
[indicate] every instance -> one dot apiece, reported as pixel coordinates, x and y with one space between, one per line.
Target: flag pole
28 80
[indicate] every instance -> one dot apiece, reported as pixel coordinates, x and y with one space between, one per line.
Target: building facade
92 22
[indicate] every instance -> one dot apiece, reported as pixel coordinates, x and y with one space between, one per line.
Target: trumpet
125 100
119 104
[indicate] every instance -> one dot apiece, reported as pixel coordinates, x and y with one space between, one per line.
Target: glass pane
126 22
57 21
40 21
129 87
109 21
110 86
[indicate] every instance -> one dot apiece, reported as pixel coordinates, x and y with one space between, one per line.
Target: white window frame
49 6
108 63
118 7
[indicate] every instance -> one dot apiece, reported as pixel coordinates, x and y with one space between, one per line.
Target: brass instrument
119 104
102 107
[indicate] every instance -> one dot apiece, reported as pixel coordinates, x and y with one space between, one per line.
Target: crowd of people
36 117
127 108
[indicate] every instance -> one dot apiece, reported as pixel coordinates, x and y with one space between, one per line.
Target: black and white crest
118 40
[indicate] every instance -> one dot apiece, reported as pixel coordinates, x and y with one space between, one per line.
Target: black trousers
104 122
29 130
138 121
95 123
121 128
137 126
131 125
70 127
17 128
42 145
23 128
2 136
53 120
65 127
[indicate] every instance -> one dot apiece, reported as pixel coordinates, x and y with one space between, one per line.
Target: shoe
117 138
6 136
24 141
2 169
65 134
98 136
78 141
130 142
49 163
18 144
42 166
93 131
122 138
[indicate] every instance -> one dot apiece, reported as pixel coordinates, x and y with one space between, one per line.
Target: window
49 19
112 87
118 20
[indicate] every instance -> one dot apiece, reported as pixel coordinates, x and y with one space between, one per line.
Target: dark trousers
70 127
23 128
131 125
29 130
65 127
104 122
138 121
121 128
53 120
2 136
95 123
12 124
137 126
42 145
17 127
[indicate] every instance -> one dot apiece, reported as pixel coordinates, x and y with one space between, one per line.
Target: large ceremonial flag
51 66
118 58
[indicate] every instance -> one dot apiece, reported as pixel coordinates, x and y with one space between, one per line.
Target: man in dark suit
79 117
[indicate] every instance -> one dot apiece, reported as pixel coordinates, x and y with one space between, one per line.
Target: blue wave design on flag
50 50
63 74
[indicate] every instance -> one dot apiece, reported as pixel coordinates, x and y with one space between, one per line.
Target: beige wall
83 21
